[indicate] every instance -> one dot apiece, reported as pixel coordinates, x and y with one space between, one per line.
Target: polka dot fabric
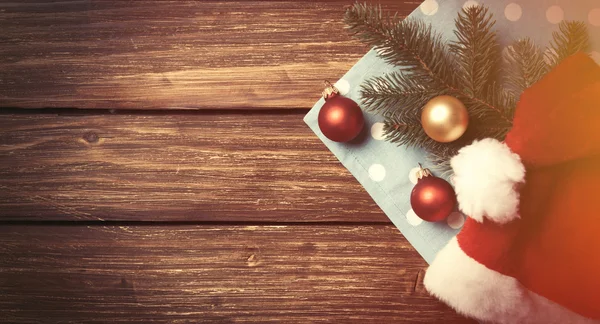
388 171
377 131
343 86
377 172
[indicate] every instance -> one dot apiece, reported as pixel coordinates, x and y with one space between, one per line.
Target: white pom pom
486 175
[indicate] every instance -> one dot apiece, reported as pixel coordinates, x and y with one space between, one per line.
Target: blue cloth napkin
387 171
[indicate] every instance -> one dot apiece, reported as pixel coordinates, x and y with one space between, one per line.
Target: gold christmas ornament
444 119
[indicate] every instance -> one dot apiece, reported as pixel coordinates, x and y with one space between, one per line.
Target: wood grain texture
173 54
181 181
216 274
174 167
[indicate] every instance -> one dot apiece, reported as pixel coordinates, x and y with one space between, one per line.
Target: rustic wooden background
219 205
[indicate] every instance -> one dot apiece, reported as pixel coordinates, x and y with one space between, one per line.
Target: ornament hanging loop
422 173
330 90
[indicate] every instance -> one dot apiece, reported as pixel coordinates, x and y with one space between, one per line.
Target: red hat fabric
558 119
529 252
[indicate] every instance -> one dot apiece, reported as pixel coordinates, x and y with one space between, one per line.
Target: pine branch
526 65
441 161
409 44
369 24
571 38
396 93
407 130
467 69
415 48
494 96
476 50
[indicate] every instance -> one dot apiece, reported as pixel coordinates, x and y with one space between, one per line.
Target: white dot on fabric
376 172
470 3
412 175
555 14
377 131
413 219
513 12
594 16
429 7
595 56
455 220
343 86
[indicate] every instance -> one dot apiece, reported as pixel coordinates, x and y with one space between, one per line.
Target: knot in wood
91 137
253 260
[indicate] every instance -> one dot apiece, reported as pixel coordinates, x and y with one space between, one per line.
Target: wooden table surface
187 188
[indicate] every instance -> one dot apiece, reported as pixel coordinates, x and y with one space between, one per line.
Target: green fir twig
396 93
409 44
526 65
476 50
468 69
571 37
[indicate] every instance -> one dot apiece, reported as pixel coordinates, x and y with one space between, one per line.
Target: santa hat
529 251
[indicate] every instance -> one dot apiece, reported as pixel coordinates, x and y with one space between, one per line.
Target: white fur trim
485 177
476 291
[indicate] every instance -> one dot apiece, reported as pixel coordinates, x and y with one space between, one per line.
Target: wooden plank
174 167
174 54
225 274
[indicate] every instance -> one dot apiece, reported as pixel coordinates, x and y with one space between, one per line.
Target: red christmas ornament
432 198
340 118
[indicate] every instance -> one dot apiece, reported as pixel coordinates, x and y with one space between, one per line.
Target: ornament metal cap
422 173
330 90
